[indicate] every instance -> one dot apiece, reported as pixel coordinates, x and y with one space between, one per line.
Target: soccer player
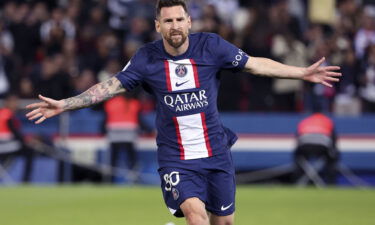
195 164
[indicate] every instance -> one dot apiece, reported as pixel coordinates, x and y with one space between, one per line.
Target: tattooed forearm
94 95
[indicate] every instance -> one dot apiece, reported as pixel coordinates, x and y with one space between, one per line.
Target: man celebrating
196 168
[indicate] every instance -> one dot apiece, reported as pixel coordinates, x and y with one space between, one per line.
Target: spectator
6 40
140 30
26 88
85 80
24 25
106 46
71 59
365 35
96 21
34 31
318 96
6 48
348 17
367 90
119 11
122 127
226 9
12 141
58 20
256 39
110 68
293 52
346 101
282 21
316 138
54 31
50 78
210 21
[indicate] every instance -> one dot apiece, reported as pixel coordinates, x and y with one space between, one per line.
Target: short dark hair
169 3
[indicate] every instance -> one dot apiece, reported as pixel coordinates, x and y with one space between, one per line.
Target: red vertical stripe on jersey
206 138
168 76
195 70
179 140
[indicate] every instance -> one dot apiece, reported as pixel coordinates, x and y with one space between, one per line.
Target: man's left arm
314 73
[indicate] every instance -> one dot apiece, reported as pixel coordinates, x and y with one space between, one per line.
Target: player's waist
167 158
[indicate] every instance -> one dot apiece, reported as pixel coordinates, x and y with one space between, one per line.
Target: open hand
322 75
45 109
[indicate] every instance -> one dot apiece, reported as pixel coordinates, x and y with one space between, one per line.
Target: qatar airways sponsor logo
238 57
187 101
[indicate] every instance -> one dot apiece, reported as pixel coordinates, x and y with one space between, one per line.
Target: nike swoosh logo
226 207
179 84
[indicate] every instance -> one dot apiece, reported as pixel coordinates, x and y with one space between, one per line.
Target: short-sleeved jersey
186 90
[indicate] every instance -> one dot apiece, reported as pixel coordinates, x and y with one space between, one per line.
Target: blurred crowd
60 48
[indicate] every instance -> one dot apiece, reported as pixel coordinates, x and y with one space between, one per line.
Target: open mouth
174 34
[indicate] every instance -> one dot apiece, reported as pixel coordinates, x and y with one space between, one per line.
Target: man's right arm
98 93
94 95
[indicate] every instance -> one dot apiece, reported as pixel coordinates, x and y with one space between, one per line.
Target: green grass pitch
123 205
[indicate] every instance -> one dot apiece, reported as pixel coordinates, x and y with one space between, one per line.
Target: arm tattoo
94 95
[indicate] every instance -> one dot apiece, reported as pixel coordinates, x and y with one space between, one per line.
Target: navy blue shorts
212 180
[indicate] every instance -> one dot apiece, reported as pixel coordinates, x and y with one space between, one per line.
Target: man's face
173 24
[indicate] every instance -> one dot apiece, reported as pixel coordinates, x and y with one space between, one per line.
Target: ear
189 22
157 26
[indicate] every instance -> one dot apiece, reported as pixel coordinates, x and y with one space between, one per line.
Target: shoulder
143 54
201 35
151 51
212 40
144 57
206 41
204 36
212 35
153 48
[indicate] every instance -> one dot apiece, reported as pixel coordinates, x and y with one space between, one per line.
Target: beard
173 42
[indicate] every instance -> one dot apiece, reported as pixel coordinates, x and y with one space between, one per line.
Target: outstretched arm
313 73
94 95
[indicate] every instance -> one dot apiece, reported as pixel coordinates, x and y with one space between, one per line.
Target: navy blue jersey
186 89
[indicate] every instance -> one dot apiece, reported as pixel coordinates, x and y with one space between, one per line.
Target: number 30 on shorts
171 180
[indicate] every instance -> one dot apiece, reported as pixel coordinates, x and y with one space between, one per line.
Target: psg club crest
181 70
175 193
